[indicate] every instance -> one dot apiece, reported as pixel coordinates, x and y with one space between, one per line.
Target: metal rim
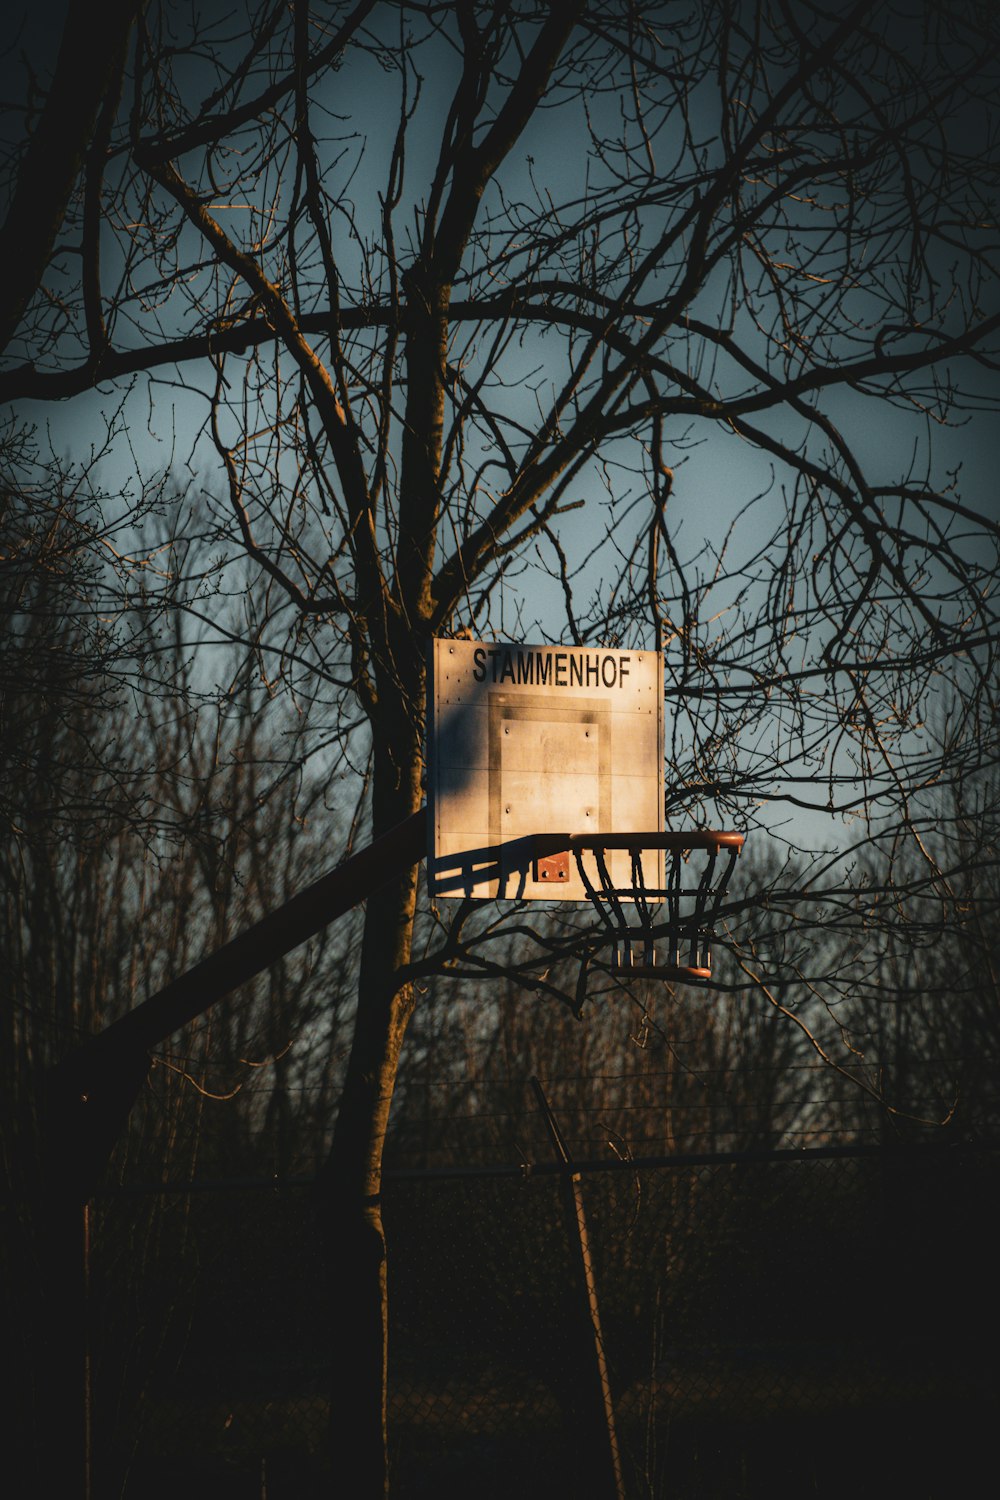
672 841
695 838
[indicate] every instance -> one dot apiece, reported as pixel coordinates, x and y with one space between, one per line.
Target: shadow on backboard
504 869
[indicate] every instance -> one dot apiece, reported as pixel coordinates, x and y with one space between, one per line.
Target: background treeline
151 810
156 800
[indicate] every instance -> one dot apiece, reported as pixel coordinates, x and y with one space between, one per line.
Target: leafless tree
141 831
138 827
454 294
64 133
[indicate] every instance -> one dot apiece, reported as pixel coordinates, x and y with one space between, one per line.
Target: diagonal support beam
91 1092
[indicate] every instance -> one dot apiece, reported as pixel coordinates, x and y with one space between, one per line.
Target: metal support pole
609 1456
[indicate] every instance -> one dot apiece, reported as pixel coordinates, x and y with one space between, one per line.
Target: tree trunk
88 71
352 1180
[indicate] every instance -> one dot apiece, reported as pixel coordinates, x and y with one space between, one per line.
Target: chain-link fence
821 1323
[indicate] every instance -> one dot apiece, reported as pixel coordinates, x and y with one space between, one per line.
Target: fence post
62 1347
87 1370
607 1455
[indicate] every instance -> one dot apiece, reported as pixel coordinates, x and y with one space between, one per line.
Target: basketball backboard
538 740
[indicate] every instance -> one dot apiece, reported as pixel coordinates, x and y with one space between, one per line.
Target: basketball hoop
683 911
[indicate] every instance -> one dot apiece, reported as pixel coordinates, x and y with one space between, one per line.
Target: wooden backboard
527 740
